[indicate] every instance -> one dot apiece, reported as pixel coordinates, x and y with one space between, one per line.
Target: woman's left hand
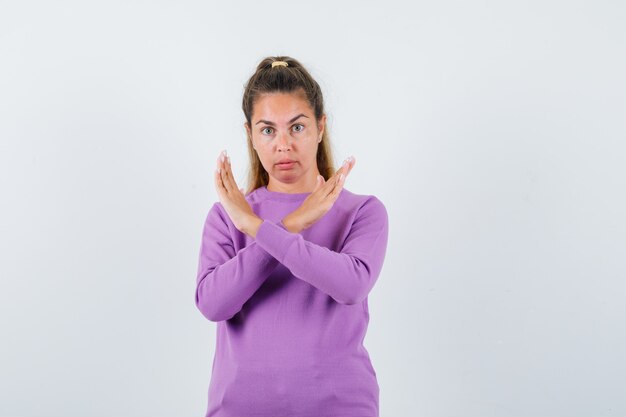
233 199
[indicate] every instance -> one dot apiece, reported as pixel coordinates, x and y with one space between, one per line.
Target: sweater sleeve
225 279
346 276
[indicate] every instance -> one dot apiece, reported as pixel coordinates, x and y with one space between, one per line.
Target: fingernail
219 170
341 177
222 157
228 157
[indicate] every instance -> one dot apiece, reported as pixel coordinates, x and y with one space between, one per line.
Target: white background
492 131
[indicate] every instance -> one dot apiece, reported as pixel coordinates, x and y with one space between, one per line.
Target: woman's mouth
286 165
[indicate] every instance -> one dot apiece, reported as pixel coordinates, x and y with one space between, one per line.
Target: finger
347 165
344 168
227 174
327 187
333 180
338 187
220 163
330 185
220 180
232 183
351 164
340 177
219 186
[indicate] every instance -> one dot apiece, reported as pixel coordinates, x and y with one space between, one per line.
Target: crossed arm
226 280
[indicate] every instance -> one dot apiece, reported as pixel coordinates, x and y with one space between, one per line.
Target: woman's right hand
320 200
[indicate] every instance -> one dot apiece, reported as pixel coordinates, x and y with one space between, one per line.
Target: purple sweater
291 308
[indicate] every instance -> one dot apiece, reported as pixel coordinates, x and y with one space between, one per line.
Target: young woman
285 269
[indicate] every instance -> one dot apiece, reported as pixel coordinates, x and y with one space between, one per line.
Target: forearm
223 288
346 277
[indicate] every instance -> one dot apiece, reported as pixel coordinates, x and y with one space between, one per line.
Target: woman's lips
286 165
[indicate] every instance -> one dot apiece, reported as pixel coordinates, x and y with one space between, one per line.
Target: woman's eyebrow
272 123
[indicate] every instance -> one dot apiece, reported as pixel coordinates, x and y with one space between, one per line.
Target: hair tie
277 63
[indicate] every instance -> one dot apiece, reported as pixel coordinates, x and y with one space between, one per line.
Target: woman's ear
320 126
249 134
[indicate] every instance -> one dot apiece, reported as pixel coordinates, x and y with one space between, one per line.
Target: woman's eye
264 131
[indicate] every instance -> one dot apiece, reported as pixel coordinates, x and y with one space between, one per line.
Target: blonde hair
285 79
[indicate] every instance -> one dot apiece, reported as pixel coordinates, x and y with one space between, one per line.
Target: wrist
253 226
291 224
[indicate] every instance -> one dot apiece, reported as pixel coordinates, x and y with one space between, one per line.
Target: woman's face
284 128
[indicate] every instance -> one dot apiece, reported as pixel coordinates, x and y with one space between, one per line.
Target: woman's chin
287 177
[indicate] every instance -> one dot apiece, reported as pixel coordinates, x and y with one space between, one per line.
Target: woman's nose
284 142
